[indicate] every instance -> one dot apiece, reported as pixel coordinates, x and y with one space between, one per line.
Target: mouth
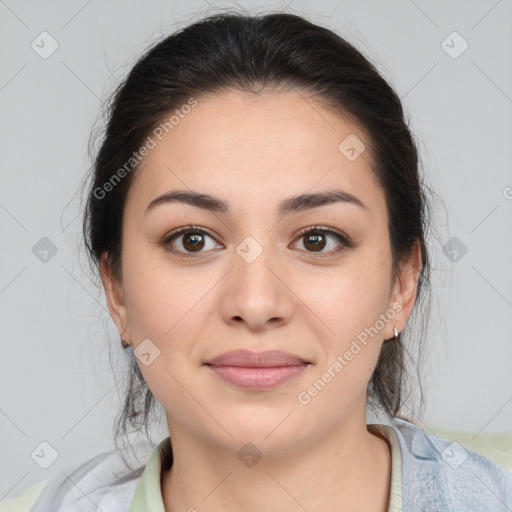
248 359
257 371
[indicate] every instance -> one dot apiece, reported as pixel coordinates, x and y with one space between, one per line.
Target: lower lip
257 379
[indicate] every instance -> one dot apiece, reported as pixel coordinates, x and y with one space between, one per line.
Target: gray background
56 381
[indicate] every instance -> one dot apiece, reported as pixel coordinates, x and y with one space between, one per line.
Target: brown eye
316 239
192 241
187 241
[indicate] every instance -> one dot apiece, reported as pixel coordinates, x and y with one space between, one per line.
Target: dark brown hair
252 54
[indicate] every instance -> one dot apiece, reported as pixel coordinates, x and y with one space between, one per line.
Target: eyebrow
291 205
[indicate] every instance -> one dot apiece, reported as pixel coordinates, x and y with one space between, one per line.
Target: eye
192 240
315 239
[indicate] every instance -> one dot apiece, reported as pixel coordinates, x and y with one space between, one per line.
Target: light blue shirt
428 474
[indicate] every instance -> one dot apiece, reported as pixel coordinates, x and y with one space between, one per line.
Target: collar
395 494
148 494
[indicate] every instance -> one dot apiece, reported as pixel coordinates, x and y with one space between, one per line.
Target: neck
343 470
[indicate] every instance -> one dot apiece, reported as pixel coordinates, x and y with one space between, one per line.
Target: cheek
164 309
351 344
352 298
159 296
168 307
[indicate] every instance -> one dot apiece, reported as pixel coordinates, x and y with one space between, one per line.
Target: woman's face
249 279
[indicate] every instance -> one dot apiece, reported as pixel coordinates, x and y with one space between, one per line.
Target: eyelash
345 242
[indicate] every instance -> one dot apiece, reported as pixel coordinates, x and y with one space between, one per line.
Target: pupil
317 242
196 240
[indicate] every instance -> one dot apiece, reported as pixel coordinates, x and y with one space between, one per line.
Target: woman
258 221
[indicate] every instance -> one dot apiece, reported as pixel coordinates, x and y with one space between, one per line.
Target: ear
115 298
404 291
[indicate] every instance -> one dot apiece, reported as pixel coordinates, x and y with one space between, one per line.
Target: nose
255 292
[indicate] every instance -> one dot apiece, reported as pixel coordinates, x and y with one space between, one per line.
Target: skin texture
255 151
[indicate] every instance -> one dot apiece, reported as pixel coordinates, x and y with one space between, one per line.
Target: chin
268 432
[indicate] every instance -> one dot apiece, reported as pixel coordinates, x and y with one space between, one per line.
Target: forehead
256 148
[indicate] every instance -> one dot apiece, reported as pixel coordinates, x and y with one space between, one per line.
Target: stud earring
125 343
395 332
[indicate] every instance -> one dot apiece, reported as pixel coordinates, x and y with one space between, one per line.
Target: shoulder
103 482
24 501
438 472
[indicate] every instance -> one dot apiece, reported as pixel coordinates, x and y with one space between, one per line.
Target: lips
248 359
257 371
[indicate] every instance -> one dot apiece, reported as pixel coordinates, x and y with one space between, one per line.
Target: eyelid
325 229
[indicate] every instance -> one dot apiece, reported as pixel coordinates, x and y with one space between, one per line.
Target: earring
395 332
125 344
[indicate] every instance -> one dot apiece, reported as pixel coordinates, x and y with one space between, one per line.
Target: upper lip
248 359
